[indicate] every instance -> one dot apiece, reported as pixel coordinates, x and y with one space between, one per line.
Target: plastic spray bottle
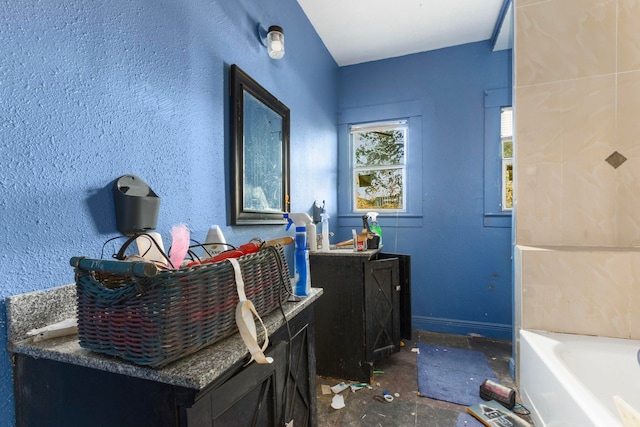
325 231
375 227
304 227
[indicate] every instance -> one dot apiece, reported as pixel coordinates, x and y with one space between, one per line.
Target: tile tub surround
577 228
576 100
578 290
37 309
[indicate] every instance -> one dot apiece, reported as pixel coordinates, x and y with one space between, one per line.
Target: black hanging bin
136 205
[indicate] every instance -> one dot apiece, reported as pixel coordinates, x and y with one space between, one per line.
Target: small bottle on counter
302 286
325 232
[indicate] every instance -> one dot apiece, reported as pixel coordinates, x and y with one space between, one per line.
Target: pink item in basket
180 238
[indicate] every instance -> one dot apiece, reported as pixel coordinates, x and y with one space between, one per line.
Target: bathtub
570 380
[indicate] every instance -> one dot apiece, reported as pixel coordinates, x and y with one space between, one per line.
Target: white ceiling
357 31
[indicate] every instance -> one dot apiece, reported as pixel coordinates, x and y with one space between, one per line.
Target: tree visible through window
378 161
506 138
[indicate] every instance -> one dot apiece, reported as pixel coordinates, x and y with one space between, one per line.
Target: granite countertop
347 252
195 371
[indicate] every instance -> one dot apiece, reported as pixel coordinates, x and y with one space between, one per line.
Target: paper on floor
337 402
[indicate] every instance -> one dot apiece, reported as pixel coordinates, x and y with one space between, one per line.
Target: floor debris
358 386
337 402
340 387
400 376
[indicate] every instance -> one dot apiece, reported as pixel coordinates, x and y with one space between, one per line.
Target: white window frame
494 216
378 126
506 135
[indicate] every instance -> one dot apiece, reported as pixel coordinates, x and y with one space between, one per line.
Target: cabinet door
248 399
298 380
382 308
406 327
340 325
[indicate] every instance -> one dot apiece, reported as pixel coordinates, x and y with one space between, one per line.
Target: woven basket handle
135 268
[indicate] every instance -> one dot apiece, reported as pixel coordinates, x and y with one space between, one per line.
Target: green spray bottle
375 227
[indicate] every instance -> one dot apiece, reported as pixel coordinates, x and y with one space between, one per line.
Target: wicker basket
155 320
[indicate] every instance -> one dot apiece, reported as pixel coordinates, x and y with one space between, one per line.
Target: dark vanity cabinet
364 312
55 393
266 395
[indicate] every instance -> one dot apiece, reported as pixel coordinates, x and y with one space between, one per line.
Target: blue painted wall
461 269
90 91
93 90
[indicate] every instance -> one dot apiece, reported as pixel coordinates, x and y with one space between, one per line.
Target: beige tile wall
590 291
577 101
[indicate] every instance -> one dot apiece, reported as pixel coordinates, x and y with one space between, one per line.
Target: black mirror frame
241 83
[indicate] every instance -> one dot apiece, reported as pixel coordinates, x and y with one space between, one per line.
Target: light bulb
275 42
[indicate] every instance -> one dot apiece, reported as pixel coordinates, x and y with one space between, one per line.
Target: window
378 165
506 140
498 158
407 116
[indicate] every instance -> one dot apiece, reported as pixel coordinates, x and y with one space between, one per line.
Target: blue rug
452 374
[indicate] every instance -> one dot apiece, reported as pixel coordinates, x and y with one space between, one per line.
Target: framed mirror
260 153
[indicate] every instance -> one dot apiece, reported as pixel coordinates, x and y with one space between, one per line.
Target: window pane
378 165
379 188
507 149
384 147
506 122
506 136
507 199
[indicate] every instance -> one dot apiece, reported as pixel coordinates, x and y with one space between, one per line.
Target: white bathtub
570 380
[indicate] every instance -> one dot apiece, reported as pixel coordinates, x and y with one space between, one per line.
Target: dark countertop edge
194 371
368 253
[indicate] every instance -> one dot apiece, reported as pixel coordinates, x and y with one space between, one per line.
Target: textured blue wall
461 274
93 90
90 91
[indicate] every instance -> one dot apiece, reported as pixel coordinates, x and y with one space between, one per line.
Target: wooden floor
398 374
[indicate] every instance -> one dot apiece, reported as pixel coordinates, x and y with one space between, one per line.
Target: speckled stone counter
37 309
347 252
